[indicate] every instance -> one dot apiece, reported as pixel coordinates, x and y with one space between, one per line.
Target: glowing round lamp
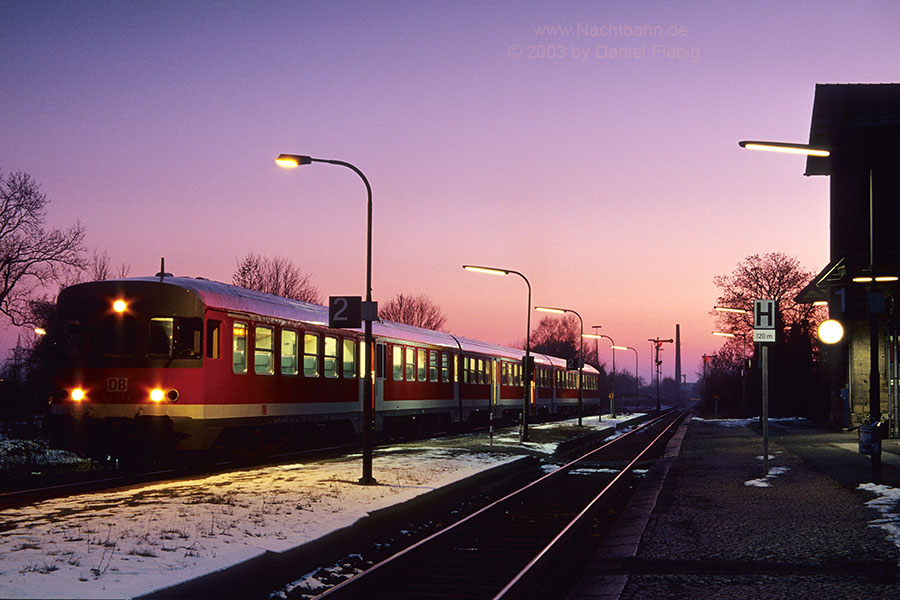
831 331
119 306
157 395
78 394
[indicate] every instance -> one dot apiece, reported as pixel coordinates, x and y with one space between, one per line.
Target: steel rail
353 586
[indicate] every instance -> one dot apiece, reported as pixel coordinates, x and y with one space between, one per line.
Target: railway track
509 548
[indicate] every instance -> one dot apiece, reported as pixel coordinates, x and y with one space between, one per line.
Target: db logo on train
117 384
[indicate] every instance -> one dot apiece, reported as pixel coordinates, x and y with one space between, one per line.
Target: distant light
723 334
886 278
548 309
488 270
820 303
620 347
785 147
157 395
40 331
862 280
77 394
292 161
831 331
593 336
120 306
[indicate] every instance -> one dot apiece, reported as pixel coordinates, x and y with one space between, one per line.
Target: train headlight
120 306
156 394
77 394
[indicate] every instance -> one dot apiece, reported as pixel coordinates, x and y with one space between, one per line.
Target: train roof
232 298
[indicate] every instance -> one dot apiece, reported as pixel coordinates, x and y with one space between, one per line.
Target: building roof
869 113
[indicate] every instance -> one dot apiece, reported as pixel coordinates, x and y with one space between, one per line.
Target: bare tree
418 311
772 276
277 276
30 256
557 336
100 269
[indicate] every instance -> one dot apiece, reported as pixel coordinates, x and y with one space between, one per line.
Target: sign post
764 333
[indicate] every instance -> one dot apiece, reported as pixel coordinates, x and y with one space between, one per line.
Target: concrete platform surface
705 523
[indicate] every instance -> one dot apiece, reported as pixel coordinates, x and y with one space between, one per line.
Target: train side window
410 364
445 367
466 369
212 338
310 355
239 348
397 359
263 351
423 365
330 359
349 358
289 352
432 365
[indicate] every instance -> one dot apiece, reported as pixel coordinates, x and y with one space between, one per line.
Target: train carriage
163 363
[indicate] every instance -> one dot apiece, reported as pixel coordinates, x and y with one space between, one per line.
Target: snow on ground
887 502
131 542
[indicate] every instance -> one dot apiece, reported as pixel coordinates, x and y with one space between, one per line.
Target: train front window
118 336
76 339
175 337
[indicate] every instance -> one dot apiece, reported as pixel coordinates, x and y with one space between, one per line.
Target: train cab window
349 359
410 364
310 355
330 358
175 337
432 365
118 336
239 348
263 351
423 365
212 338
76 339
289 352
397 359
445 367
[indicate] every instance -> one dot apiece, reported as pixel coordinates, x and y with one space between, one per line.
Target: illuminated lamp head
831 331
156 394
120 306
77 394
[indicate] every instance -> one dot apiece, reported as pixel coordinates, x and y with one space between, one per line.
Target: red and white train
166 363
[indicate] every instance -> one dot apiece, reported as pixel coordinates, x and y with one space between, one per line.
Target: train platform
705 523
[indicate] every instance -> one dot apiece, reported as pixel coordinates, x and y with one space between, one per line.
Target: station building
860 125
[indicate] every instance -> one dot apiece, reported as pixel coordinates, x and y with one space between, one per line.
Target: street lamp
370 312
785 147
612 400
526 397
637 385
580 353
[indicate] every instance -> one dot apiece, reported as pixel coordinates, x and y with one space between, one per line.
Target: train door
494 366
380 371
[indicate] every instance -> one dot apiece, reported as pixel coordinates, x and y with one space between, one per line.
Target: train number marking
117 384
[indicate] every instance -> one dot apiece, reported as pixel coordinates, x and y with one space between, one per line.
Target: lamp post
612 399
369 312
637 384
580 353
526 397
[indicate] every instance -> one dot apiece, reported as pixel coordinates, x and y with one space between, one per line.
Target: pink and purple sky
590 145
